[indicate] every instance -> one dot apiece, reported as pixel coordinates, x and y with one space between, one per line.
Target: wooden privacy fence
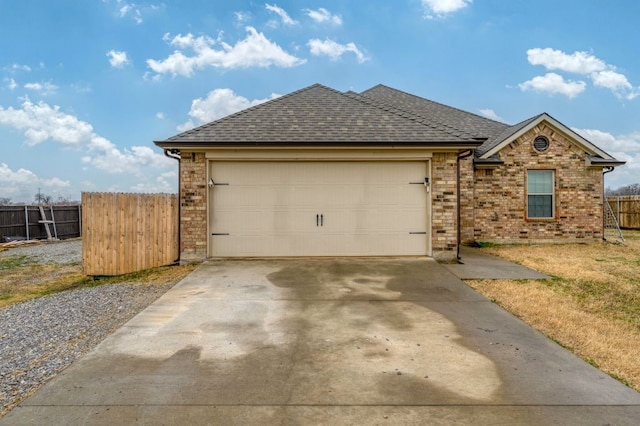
26 221
124 233
626 209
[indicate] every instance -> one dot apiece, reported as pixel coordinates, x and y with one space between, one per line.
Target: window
540 194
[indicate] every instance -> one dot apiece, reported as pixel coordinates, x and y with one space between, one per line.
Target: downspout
605 170
460 157
175 154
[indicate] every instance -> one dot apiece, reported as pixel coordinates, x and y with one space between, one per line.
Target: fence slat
124 233
626 208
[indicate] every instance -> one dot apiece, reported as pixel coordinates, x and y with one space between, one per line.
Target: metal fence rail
24 221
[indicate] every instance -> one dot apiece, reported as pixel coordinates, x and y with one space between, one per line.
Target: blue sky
87 86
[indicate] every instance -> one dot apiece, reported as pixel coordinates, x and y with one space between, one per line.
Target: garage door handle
321 220
317 220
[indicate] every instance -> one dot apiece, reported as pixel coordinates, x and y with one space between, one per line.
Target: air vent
541 144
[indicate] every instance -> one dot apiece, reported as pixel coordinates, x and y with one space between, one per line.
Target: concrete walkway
327 342
476 265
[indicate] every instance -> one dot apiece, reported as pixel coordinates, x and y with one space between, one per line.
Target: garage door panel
273 209
382 220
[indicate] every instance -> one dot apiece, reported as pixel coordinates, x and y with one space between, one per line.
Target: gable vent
541 144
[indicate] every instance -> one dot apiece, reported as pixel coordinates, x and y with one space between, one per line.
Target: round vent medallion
541 144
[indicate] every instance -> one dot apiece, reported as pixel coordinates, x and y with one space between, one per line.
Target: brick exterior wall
493 202
193 207
467 194
500 194
444 206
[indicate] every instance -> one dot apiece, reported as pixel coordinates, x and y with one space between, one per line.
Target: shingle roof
380 115
321 114
507 131
439 114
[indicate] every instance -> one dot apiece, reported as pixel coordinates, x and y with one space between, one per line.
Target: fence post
26 220
618 199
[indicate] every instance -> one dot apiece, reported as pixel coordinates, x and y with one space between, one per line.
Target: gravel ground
61 252
41 337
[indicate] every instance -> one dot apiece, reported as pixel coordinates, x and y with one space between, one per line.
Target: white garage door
318 209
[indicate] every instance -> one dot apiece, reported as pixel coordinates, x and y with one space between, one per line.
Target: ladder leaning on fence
611 222
46 222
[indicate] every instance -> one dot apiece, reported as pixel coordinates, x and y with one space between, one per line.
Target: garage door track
328 341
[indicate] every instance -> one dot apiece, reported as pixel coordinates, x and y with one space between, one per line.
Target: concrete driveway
328 342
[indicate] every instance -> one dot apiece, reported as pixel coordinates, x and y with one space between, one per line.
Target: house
320 172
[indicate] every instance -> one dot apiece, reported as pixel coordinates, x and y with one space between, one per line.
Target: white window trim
552 193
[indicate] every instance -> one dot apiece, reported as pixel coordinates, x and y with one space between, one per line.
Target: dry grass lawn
591 305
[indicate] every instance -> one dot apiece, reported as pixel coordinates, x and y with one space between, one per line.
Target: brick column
193 207
444 207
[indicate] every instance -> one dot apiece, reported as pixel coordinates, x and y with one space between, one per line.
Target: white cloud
621 147
602 74
81 87
615 82
56 183
242 17
117 59
489 113
441 8
41 122
322 15
610 80
105 155
19 177
284 16
135 11
577 62
23 183
609 142
17 67
11 83
553 83
218 103
130 9
334 50
253 51
45 88
160 115
165 182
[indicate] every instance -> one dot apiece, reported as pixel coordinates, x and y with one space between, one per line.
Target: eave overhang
487 163
598 162
436 145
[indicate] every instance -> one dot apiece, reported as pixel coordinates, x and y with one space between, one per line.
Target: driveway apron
317 341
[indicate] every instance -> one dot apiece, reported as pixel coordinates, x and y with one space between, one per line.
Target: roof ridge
435 102
416 117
